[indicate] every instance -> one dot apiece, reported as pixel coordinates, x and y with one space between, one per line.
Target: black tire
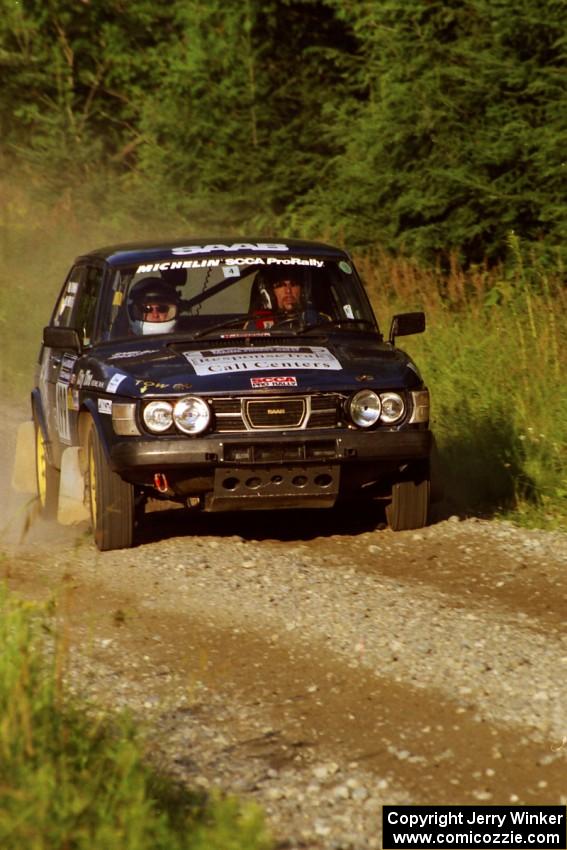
46 476
110 498
409 507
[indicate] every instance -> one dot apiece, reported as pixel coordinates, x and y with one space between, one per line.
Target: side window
77 304
85 310
63 315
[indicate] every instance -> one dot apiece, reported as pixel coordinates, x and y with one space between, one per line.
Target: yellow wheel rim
41 465
92 484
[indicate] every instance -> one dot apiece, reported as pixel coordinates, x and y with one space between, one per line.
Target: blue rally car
224 376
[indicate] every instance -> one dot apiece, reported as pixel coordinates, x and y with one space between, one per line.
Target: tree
456 128
432 126
235 125
75 74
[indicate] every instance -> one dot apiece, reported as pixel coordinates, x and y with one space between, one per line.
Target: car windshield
228 296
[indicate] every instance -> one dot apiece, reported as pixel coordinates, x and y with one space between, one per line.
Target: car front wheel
47 477
409 507
111 499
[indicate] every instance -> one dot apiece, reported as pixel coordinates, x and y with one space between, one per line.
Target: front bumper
130 455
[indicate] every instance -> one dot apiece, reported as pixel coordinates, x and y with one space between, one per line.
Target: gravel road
317 665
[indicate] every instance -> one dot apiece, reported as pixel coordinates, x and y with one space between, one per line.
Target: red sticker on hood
274 381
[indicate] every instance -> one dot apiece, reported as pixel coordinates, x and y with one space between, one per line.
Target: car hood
243 365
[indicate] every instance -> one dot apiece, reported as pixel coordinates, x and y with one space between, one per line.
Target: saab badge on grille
274 413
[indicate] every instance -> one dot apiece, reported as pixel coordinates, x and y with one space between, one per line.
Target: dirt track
320 666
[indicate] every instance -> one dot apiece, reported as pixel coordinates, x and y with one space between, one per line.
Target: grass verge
495 358
71 778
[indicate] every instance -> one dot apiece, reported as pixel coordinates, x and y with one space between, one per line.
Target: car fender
90 407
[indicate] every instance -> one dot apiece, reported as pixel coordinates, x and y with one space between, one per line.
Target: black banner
479 827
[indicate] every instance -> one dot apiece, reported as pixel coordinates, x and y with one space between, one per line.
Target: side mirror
404 324
66 338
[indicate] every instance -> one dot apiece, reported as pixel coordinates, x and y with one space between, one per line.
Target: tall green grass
495 358
72 779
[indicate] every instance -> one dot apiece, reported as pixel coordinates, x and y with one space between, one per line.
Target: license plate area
266 453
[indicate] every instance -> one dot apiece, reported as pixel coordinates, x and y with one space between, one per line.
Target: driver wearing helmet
153 306
278 295
279 291
288 292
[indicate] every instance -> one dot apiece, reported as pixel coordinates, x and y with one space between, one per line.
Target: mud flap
23 473
71 508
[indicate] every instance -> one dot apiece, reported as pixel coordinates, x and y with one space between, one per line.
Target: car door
76 309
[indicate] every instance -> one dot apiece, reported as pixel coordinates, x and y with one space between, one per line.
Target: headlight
191 415
364 408
393 407
158 416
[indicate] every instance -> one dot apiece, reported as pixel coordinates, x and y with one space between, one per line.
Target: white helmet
153 306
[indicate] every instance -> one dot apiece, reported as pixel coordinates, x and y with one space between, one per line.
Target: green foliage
208 109
459 133
75 77
199 122
424 126
233 126
495 356
74 779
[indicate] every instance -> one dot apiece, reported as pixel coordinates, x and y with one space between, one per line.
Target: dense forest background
423 126
427 136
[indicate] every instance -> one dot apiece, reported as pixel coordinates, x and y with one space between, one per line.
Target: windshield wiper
242 320
228 323
335 323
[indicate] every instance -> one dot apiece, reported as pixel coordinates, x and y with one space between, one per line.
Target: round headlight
191 415
364 408
158 416
393 407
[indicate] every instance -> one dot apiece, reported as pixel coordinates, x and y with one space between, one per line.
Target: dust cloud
42 231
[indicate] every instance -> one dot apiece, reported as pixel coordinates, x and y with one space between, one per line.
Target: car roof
139 252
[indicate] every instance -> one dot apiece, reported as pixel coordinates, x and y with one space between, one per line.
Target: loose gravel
324 675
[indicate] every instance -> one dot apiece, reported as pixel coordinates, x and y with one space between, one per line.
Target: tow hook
160 483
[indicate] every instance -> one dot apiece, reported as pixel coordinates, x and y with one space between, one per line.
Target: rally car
223 376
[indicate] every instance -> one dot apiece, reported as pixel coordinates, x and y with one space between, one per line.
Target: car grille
276 413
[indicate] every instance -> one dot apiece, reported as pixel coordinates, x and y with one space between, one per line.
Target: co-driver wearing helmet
153 306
